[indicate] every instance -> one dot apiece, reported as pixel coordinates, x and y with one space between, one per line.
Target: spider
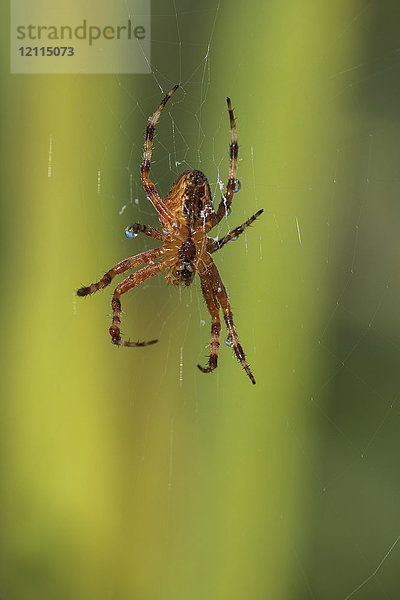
186 215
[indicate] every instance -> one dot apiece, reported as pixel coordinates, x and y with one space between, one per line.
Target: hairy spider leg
213 309
136 228
126 285
129 263
215 245
226 201
222 297
166 216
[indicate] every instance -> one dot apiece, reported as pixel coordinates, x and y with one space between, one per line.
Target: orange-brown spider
186 216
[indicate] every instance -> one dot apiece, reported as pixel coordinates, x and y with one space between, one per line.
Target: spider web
350 546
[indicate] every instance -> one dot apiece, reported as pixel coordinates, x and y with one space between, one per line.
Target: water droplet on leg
229 341
130 232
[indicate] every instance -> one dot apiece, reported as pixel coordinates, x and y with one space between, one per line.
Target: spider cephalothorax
186 216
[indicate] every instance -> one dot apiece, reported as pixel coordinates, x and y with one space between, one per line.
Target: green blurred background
127 473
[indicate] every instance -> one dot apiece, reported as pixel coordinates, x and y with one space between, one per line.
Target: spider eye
130 233
238 185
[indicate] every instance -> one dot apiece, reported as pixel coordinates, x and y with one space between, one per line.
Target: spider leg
133 230
124 265
222 297
213 309
234 234
226 201
126 285
148 185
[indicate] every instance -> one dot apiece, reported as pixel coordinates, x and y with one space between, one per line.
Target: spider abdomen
190 199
